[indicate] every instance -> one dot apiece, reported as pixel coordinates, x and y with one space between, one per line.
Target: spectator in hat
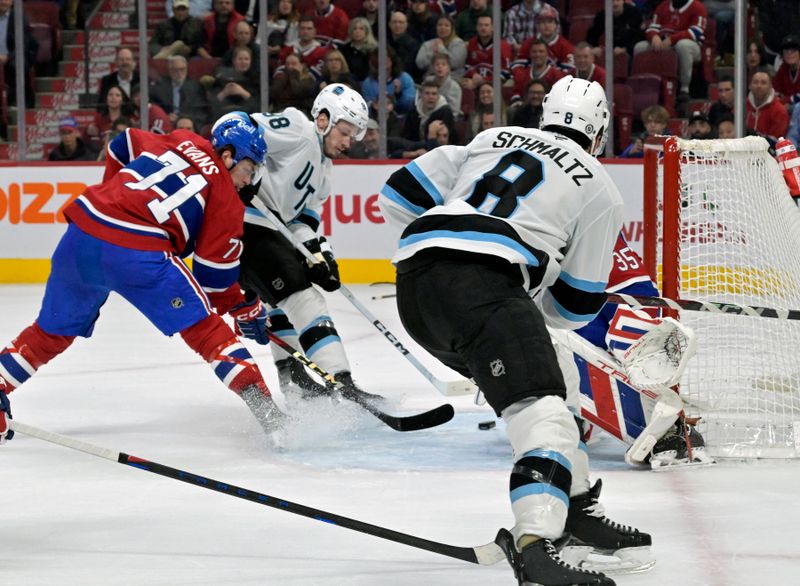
699 126
71 146
787 79
180 34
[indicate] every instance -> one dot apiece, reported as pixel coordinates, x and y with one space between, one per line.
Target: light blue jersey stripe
321 344
426 183
392 195
582 284
475 237
315 323
549 455
539 489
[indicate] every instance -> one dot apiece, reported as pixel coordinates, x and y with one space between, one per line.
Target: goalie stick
436 416
485 555
639 302
267 219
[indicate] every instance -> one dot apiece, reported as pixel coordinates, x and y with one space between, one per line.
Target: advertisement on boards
33 196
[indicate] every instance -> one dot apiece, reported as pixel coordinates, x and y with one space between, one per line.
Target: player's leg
477 318
271 267
165 291
73 296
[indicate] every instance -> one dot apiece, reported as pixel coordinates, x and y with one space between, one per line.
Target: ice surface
68 518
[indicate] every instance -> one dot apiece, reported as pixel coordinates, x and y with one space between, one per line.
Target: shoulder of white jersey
284 129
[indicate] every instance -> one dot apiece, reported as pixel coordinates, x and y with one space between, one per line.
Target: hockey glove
5 415
251 320
324 273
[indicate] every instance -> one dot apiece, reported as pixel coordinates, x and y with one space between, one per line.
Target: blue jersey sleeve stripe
426 183
539 489
549 455
583 284
119 148
392 195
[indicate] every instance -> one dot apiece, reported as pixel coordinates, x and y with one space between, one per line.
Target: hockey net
721 226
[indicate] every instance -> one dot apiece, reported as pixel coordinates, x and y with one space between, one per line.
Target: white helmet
580 105
342 103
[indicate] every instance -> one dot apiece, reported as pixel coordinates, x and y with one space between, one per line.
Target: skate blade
631 560
699 460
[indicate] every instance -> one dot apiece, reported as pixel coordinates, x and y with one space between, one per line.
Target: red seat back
646 91
199 66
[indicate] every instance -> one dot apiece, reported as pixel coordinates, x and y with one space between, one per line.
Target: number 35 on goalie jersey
167 193
531 197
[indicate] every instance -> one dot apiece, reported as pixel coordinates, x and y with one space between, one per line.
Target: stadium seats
622 63
646 89
199 66
578 27
584 8
664 65
623 115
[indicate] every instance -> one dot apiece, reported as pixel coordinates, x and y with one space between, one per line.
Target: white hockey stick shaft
447 388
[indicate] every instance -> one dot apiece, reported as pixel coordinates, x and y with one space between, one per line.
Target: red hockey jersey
169 193
627 268
523 73
688 22
559 50
480 59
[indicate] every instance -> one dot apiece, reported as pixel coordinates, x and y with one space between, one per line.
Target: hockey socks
30 350
233 364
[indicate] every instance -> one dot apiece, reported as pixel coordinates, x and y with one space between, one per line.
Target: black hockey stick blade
485 555
437 416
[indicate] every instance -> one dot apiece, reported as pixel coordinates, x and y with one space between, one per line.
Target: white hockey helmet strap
341 103
580 105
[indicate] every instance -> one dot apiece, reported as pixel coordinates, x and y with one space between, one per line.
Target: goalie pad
654 351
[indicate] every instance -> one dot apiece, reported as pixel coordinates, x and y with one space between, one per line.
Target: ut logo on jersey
303 182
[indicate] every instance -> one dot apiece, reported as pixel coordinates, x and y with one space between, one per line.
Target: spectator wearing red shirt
480 56
548 29
585 67
766 115
678 25
219 30
310 50
787 78
331 21
538 67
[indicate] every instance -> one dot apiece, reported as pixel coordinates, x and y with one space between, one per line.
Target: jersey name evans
576 170
201 158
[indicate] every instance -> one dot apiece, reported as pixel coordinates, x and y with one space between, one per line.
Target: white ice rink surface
68 518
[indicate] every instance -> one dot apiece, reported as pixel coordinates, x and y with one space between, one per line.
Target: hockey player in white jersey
295 182
515 212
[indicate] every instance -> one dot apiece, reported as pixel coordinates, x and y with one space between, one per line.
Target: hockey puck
484 425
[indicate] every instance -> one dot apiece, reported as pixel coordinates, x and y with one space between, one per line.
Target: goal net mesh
738 242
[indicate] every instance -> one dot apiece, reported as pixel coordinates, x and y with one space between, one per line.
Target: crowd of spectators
440 65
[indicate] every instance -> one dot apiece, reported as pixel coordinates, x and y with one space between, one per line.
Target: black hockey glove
324 273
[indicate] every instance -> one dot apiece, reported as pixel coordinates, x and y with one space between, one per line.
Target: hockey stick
267 219
485 555
638 302
437 416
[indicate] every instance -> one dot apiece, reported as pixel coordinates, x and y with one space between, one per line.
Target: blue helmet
237 130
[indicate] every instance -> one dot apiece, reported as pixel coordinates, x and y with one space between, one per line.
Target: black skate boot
624 548
540 564
292 376
352 391
680 446
264 409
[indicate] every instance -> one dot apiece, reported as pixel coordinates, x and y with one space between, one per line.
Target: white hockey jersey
295 177
531 197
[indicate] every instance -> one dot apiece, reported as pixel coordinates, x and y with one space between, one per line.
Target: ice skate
352 391
600 544
265 410
294 379
680 446
539 564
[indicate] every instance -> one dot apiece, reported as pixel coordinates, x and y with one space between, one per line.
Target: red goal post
720 225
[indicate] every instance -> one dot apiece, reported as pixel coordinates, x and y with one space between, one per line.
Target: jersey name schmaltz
295 178
531 197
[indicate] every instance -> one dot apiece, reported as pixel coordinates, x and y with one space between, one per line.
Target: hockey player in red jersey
162 198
